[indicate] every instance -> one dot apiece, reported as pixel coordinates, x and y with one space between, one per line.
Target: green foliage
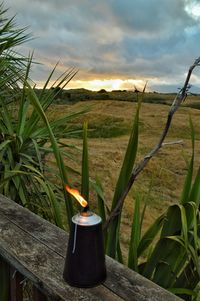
171 242
85 166
25 176
102 206
105 127
173 262
135 237
108 127
12 65
188 180
129 160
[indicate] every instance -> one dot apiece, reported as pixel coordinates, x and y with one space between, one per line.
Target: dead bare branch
179 99
173 142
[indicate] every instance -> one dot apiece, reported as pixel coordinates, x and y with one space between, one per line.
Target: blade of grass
135 237
188 181
170 250
101 203
6 118
150 234
103 208
24 104
195 192
184 226
188 278
119 253
172 222
85 166
129 160
51 196
4 144
181 291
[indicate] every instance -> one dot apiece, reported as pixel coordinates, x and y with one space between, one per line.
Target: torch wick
87 208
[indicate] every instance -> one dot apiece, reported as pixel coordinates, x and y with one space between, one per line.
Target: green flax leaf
85 166
135 237
127 166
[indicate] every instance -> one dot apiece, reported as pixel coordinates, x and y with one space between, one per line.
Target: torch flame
77 196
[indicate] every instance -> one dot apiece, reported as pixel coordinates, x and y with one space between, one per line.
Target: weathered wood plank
137 288
50 245
47 233
16 285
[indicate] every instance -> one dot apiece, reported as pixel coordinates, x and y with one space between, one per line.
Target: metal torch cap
86 219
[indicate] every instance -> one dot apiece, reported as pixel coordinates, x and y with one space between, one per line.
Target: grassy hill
110 123
70 96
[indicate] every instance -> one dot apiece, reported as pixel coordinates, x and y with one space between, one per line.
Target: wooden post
38 295
4 280
16 285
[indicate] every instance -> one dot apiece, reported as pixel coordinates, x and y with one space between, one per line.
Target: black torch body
85 260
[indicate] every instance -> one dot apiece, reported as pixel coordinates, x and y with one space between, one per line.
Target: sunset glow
107 84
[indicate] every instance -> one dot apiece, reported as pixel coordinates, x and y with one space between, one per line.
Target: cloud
112 39
151 18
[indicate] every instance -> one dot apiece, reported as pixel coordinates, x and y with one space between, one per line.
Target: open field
110 123
71 96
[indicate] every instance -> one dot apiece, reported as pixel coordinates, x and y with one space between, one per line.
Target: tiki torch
85 259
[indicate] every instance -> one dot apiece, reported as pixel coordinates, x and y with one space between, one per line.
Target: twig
180 97
172 142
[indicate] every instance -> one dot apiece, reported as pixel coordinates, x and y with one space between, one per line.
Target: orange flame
77 196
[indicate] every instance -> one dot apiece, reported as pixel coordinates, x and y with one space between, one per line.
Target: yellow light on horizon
107 84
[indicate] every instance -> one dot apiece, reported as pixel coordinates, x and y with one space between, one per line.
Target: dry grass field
110 123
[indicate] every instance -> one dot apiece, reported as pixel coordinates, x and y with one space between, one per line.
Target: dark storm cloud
113 38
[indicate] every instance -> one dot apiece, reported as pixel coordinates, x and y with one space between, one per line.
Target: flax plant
173 261
172 241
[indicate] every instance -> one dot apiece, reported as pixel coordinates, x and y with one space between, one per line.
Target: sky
115 44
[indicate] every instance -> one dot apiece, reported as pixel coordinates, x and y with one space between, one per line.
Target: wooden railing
33 251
